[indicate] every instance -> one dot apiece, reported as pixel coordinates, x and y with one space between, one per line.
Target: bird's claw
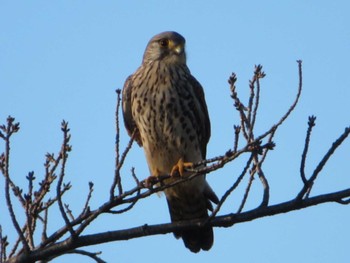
179 168
150 181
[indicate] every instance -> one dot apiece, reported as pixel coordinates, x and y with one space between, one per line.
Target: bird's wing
127 111
205 129
204 115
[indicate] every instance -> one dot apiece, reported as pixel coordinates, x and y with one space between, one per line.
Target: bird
165 111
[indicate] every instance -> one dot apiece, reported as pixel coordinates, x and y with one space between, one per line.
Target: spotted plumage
164 106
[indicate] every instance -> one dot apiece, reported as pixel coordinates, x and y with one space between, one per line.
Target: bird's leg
179 167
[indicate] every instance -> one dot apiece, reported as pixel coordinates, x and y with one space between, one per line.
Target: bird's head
167 46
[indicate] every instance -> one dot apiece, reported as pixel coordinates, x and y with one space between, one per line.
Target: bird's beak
177 48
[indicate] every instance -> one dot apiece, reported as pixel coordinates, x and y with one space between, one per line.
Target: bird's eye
164 42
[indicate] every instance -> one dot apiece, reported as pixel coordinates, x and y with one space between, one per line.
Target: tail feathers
197 239
187 209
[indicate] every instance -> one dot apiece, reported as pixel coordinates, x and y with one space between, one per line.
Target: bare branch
93 255
265 183
259 74
344 201
44 232
238 104
232 188
237 132
119 166
132 204
28 209
119 161
117 179
311 124
18 241
86 206
9 130
147 230
3 246
244 199
64 153
291 108
69 211
323 162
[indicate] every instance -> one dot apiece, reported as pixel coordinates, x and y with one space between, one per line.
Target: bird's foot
179 168
152 179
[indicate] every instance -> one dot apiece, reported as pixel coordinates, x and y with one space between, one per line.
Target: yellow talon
179 167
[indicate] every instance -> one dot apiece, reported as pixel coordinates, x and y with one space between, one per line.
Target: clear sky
64 60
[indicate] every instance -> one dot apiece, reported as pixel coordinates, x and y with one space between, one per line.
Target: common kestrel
164 107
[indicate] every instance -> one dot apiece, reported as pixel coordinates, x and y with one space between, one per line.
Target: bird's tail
197 239
188 207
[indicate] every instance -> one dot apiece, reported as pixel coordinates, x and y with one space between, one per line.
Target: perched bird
164 107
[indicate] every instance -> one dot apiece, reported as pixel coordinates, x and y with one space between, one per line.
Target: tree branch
323 162
311 124
88 254
148 230
64 152
10 129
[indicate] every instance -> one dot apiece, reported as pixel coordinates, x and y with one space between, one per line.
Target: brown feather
166 107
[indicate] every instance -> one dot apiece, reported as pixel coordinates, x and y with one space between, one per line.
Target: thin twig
44 232
237 131
119 166
251 98
45 184
28 209
16 244
238 105
247 190
254 98
69 211
117 178
92 255
270 145
259 75
291 108
323 162
50 202
10 129
133 203
231 189
311 124
64 152
344 202
86 206
3 246
266 187
137 181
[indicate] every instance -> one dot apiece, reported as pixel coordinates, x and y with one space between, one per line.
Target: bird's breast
164 112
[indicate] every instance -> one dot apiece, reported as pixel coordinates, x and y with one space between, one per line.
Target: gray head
168 46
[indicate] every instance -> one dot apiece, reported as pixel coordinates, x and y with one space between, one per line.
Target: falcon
165 111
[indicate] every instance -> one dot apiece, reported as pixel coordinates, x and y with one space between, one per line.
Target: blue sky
64 59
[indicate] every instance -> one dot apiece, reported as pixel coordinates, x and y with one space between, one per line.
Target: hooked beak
179 49
176 47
